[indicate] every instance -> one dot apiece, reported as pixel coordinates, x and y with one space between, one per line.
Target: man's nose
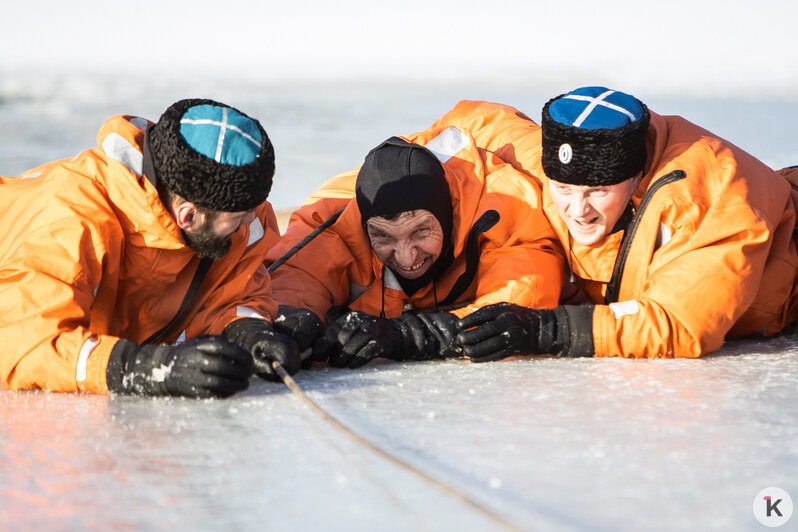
579 206
405 253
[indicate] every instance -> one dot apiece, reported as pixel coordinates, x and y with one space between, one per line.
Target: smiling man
676 238
136 267
592 212
431 229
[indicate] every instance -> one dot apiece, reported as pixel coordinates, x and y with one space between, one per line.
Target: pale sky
679 44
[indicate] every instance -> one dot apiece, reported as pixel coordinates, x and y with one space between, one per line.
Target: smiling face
408 244
591 212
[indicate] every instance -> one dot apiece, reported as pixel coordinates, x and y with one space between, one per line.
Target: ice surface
598 444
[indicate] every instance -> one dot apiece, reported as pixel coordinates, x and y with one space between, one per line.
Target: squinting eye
381 239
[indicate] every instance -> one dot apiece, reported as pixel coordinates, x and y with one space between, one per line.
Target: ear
187 215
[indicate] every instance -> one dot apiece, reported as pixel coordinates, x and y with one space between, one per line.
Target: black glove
305 327
428 335
358 337
501 330
259 338
203 366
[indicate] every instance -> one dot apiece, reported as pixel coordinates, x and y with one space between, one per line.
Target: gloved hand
203 366
503 329
358 337
305 327
266 345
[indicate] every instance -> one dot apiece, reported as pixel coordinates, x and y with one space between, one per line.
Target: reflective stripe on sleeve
624 308
83 357
447 144
116 147
246 312
256 232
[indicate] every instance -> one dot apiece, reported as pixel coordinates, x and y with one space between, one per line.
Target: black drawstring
435 294
472 254
382 306
570 257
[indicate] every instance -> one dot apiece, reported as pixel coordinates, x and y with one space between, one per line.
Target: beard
206 243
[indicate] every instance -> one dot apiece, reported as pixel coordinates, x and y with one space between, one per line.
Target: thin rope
457 494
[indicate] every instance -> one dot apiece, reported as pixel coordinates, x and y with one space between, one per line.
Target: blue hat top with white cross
222 134
594 136
210 154
596 108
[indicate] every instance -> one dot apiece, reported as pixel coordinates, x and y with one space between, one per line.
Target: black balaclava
399 176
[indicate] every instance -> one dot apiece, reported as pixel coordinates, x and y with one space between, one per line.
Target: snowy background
550 444
330 80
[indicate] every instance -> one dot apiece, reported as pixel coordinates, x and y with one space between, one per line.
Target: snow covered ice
599 444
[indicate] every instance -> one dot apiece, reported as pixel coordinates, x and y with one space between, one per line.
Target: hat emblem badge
565 153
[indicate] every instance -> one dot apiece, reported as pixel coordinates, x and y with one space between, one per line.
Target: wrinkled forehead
402 222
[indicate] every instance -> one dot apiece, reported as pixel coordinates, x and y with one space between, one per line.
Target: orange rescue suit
710 252
89 255
518 259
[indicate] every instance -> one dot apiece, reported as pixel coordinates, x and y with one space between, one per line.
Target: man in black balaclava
418 243
398 185
406 212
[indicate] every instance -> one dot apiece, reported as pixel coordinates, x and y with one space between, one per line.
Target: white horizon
710 47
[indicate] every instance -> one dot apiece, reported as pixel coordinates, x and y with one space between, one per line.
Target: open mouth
411 271
585 223
412 268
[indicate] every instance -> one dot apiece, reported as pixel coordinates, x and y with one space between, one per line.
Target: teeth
412 268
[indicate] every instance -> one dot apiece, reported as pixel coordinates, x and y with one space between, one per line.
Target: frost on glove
203 366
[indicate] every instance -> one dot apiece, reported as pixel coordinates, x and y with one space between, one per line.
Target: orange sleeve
51 267
521 260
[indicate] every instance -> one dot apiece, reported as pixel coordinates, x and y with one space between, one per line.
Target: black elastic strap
575 330
484 223
304 242
382 304
147 168
199 276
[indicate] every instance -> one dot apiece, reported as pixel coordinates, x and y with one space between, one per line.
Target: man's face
212 238
408 244
591 212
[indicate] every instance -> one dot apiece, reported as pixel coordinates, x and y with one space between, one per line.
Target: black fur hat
211 154
594 136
